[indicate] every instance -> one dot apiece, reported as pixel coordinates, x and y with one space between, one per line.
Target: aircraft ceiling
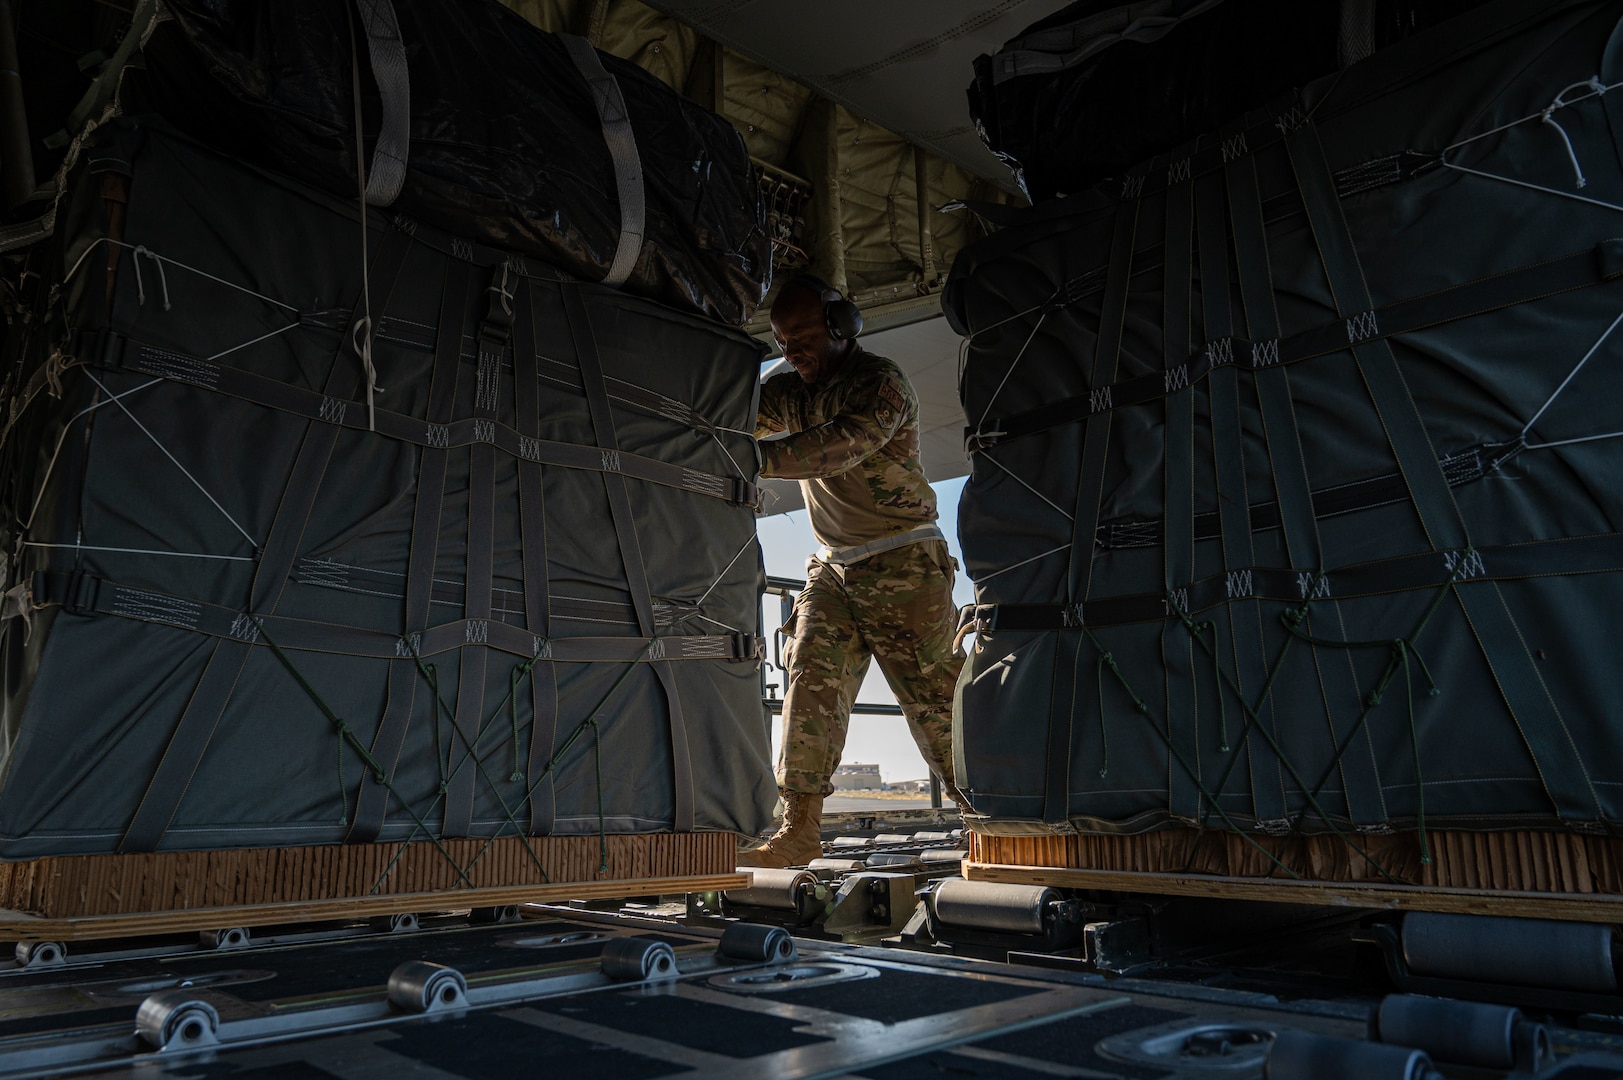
902 63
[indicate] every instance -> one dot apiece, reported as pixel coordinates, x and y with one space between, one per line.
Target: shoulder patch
891 394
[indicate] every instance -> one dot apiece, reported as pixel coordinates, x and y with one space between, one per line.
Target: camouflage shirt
853 444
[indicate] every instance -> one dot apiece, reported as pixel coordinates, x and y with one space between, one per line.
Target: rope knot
1374 699
55 365
1572 154
140 286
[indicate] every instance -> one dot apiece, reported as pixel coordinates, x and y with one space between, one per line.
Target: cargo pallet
1541 875
88 897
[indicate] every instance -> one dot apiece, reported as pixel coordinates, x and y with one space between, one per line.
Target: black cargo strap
1166 172
82 593
372 803
1537 281
622 144
625 531
560 373
1465 467
1598 554
116 350
1085 513
371 581
1267 778
387 53
195 729
490 346
1550 743
538 601
1178 553
1296 514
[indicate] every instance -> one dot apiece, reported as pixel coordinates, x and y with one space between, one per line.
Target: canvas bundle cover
1100 84
505 584
1297 475
471 120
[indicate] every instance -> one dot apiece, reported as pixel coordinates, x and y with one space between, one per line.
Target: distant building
856 776
911 787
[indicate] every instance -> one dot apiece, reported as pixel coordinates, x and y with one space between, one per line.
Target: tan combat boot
798 840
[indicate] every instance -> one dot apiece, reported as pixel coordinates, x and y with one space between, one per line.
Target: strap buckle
103 348
748 647
76 592
743 493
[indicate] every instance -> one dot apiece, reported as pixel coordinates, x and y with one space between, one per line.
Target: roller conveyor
611 995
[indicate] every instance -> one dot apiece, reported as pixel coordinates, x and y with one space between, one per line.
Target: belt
846 556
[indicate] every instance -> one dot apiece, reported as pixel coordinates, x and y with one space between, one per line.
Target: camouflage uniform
854 446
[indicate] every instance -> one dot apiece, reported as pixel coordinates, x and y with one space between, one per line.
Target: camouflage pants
896 607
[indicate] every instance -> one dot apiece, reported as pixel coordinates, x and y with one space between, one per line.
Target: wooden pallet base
1570 907
18 926
1510 861
85 886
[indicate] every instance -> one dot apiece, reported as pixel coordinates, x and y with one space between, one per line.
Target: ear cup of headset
841 316
843 319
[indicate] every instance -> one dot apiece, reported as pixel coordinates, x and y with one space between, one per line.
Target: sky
786 540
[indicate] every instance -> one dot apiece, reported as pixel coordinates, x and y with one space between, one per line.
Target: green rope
1402 649
1104 736
1195 631
427 670
1200 628
343 789
1414 746
1143 709
1293 620
557 757
1253 721
345 734
1106 660
432 673
602 829
517 776
592 721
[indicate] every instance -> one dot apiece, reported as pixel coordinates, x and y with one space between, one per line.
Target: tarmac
844 804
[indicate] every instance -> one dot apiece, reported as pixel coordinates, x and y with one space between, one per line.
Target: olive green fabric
1273 531
143 477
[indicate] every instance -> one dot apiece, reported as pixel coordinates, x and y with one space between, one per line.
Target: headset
841 316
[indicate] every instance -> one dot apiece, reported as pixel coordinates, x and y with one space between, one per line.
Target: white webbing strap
387 173
611 113
850 556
